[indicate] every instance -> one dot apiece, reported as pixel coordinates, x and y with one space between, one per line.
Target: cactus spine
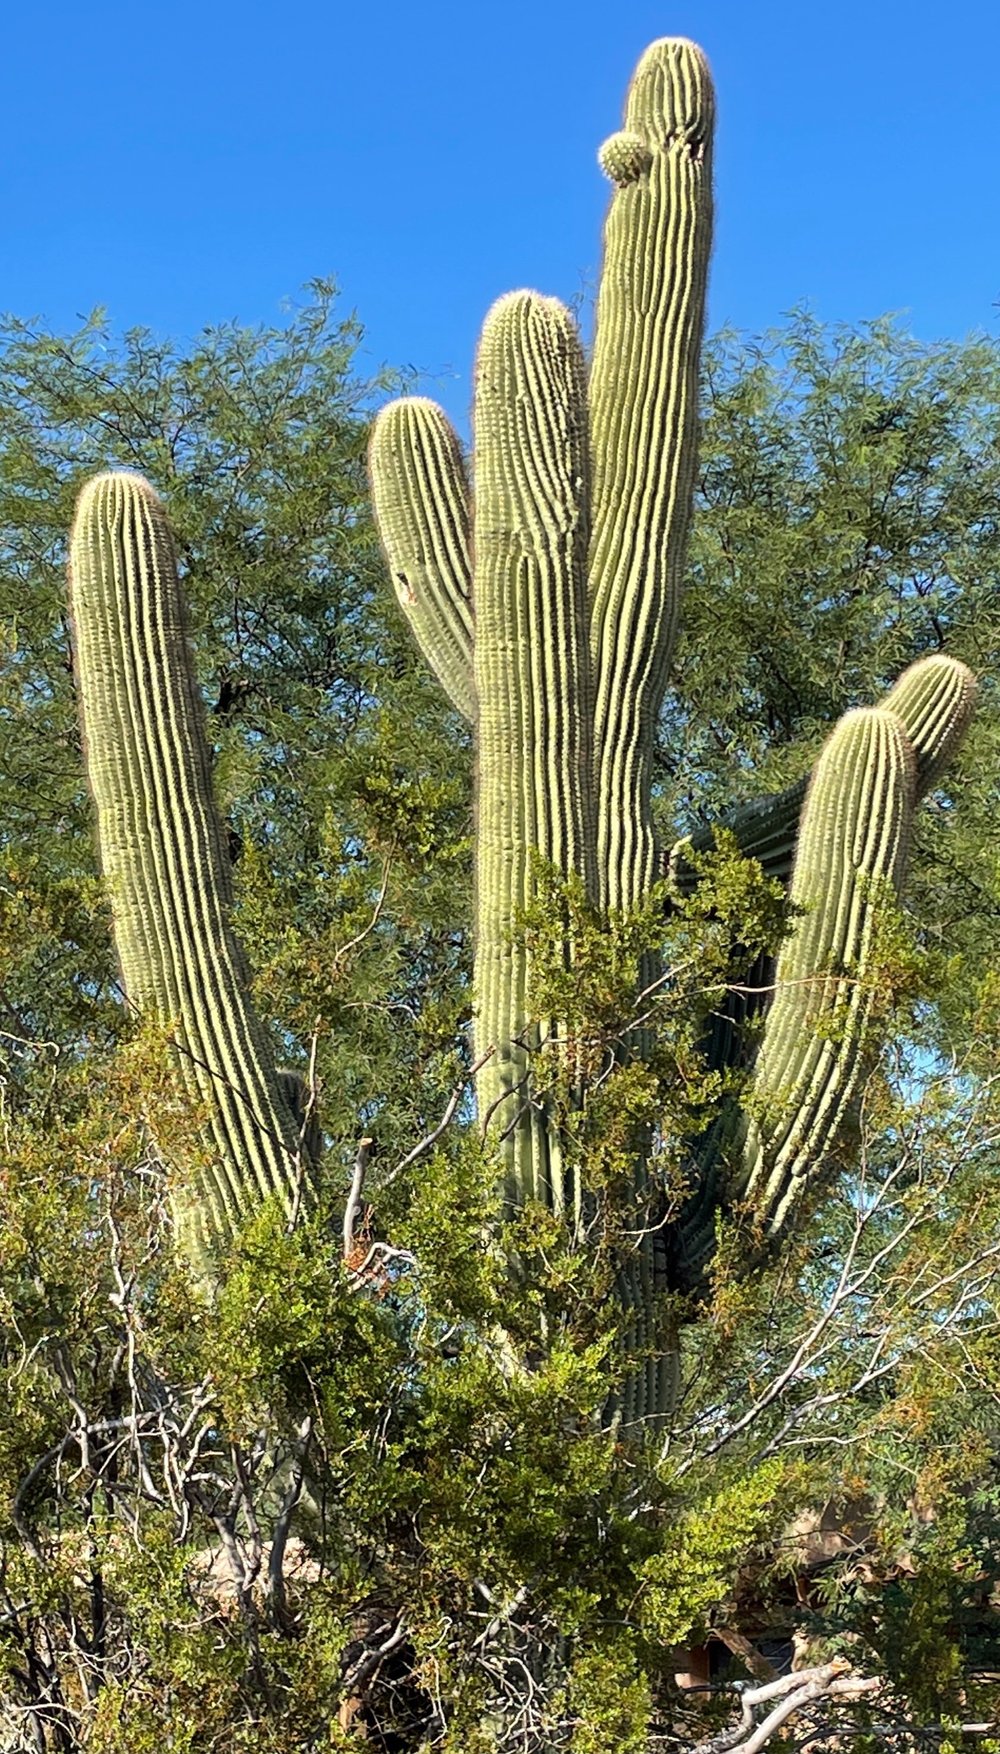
163 852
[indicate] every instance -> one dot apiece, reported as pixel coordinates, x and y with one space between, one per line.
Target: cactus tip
671 94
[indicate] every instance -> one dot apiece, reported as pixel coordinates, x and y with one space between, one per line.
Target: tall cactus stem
644 422
163 853
421 497
532 673
644 428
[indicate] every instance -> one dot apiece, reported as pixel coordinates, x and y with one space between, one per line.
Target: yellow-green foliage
608 1699
701 1555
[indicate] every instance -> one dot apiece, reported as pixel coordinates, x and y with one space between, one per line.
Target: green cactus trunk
564 760
501 621
548 608
164 855
532 671
644 430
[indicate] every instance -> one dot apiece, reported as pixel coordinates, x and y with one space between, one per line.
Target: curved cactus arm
934 701
421 498
765 830
163 853
852 849
532 672
643 420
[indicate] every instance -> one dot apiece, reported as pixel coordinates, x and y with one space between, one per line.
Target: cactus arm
853 838
933 701
853 843
765 830
421 499
643 413
643 416
163 854
532 675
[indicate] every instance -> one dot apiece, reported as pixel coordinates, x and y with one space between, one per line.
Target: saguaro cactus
642 415
532 672
547 601
838 839
565 749
164 856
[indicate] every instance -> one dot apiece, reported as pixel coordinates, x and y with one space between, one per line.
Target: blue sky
198 163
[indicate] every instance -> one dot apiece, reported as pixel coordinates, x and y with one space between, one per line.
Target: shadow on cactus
543 587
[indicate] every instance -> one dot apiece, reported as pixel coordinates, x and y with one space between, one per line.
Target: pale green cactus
838 840
565 749
164 856
532 674
644 430
852 845
642 416
427 533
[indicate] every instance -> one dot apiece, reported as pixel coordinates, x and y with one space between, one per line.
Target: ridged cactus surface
421 500
930 706
933 701
163 852
644 429
851 855
532 670
581 506
641 411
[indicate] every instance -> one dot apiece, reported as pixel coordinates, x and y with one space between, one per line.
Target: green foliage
696 1567
608 1699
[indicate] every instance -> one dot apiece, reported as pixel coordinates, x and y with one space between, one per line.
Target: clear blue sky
190 163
